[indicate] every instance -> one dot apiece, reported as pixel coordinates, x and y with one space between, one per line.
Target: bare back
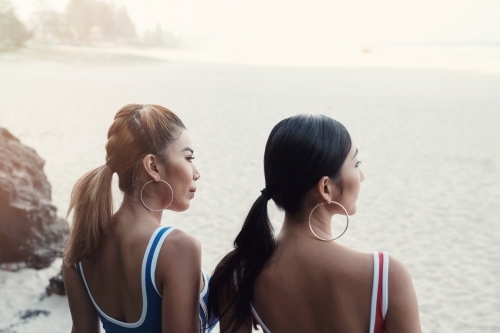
315 287
115 279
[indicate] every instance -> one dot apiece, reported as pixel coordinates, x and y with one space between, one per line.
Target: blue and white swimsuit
150 320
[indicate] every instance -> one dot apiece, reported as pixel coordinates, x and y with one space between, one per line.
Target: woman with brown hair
118 266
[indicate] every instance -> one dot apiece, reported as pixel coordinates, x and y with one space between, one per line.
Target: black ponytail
300 150
253 247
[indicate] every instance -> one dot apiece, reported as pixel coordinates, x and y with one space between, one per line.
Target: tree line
83 22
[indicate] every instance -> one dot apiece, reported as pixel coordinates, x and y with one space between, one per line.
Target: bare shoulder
70 274
353 261
180 250
181 242
179 259
68 270
402 313
399 275
356 255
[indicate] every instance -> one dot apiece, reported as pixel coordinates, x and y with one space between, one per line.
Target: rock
29 314
56 285
31 234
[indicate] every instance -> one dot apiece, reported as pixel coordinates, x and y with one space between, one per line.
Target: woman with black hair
301 280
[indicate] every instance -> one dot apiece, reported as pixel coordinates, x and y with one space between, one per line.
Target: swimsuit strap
155 252
151 314
380 296
255 316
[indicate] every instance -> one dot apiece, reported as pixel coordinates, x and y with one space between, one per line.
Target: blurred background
417 84
294 33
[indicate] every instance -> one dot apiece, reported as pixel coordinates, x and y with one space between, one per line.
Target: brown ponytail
137 130
92 206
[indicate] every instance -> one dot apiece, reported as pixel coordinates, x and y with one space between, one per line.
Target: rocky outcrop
31 234
56 285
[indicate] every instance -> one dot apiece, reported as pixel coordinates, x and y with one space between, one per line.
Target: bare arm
402 312
83 313
178 274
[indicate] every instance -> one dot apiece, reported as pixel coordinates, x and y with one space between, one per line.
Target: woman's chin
180 207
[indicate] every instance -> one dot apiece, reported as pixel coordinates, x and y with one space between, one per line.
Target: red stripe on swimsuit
379 316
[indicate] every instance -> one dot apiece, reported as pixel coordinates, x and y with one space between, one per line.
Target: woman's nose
362 175
196 174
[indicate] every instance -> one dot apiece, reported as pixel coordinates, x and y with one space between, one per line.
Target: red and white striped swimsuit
380 296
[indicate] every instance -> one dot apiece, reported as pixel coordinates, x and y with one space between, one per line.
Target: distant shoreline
74 54
480 59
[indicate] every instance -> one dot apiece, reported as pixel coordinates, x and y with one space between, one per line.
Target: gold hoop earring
343 232
157 210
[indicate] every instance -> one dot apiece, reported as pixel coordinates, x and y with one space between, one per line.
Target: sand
428 138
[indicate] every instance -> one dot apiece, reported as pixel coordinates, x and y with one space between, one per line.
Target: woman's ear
327 189
324 190
150 164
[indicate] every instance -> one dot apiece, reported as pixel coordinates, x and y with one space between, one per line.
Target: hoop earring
343 232
157 210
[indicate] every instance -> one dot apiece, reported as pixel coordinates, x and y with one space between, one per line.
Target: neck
297 225
133 210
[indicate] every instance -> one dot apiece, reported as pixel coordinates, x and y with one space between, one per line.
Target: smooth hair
137 130
299 151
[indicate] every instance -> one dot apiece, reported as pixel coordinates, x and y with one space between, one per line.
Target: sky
314 21
288 24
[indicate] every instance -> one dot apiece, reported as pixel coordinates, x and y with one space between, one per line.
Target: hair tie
110 168
266 194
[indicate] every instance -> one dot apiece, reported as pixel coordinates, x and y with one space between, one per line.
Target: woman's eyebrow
356 153
188 149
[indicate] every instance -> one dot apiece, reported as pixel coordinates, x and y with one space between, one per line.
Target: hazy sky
313 23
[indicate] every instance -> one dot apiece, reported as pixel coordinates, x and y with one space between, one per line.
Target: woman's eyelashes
190 158
358 163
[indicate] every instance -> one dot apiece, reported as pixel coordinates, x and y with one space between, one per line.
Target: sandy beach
428 138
